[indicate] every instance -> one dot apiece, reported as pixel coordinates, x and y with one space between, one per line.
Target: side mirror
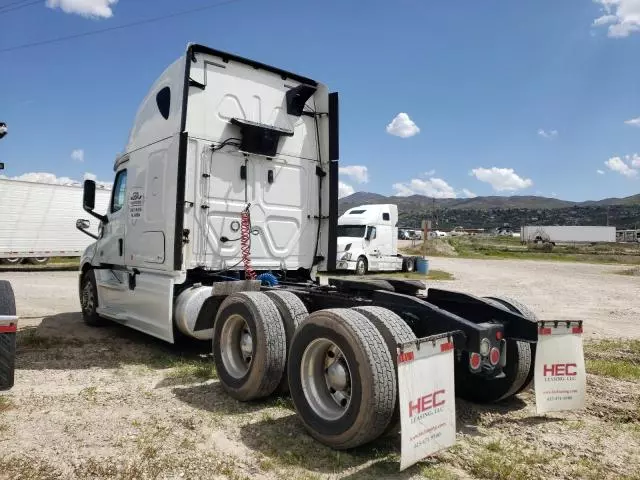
368 234
89 195
89 201
83 225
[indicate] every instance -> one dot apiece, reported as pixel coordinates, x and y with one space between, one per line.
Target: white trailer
231 166
38 221
567 234
368 240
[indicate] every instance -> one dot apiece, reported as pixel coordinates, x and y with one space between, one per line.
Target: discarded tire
7 340
517 372
341 378
89 299
293 312
394 330
519 307
249 345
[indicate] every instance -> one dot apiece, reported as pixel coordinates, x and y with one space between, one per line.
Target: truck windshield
351 230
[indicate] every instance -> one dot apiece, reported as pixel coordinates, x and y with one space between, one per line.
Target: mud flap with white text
427 397
560 377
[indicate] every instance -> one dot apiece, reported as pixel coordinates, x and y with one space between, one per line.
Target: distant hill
493 211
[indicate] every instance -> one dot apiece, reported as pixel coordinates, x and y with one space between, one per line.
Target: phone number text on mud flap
555 395
433 434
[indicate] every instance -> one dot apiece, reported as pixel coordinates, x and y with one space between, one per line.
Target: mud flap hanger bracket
456 337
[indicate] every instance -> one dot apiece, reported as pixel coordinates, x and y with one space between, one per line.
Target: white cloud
621 16
548 133
85 8
429 173
633 122
434 187
402 126
616 164
50 178
604 20
359 173
501 179
600 172
468 193
100 184
77 155
634 160
344 190
42 177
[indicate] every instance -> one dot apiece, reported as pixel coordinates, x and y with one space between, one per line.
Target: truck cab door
110 251
372 248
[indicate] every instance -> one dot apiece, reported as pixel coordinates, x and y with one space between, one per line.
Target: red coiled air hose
245 243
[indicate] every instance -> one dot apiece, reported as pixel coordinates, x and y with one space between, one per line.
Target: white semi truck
225 203
38 219
368 240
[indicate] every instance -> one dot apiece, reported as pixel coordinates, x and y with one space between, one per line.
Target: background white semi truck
38 221
224 205
368 240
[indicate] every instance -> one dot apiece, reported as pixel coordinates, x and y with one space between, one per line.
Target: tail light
474 360
494 356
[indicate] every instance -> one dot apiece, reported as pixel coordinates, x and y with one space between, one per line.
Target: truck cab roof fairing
194 48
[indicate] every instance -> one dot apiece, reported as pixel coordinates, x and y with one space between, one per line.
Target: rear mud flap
560 376
426 396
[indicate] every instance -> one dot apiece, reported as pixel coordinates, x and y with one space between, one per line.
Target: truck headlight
346 256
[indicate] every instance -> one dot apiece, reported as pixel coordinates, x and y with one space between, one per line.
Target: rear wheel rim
326 379
13 260
236 345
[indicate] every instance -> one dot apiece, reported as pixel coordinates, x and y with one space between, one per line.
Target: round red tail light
474 361
494 356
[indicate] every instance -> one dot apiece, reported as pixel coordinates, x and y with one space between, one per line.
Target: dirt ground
98 403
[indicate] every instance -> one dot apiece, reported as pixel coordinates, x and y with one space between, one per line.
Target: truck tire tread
293 312
269 340
374 367
91 316
7 340
394 330
519 307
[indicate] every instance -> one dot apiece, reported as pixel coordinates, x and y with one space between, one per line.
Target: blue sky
498 97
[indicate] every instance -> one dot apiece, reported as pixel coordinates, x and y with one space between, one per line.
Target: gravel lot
112 403
608 303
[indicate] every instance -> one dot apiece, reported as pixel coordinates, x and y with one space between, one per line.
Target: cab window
119 191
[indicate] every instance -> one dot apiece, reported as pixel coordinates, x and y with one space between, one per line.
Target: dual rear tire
252 333
518 372
339 365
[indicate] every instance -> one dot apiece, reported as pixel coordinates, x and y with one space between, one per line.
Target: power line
117 27
20 4
15 2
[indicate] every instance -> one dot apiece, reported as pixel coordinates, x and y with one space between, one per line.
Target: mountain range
494 211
